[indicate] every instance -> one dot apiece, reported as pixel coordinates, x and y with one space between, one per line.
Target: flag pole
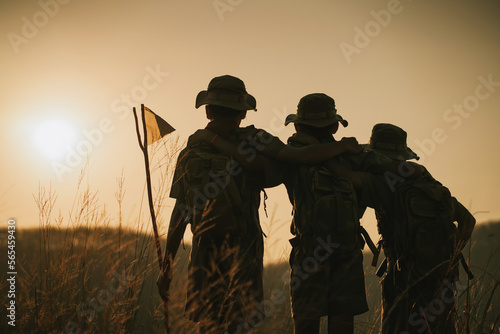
144 148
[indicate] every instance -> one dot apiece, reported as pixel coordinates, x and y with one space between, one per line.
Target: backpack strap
374 249
382 268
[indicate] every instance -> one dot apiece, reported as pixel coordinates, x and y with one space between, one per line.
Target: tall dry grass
90 272
85 272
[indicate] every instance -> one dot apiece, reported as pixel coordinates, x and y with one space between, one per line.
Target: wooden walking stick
144 148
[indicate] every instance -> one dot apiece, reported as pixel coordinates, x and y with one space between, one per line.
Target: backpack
216 189
325 205
423 226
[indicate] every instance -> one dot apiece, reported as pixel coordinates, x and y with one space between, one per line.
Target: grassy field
84 273
94 279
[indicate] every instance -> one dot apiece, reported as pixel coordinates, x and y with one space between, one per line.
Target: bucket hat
390 140
226 91
316 110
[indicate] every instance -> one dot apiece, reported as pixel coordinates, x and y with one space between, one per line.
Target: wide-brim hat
390 140
316 110
226 91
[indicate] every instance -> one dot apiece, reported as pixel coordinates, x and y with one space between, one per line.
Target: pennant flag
156 126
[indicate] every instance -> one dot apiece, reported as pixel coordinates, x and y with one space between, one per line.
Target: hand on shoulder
351 145
303 138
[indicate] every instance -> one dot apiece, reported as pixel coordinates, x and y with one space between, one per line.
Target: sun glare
53 136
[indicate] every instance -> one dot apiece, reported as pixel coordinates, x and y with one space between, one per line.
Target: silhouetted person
327 276
220 200
421 244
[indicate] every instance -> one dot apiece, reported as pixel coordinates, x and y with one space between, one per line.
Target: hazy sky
73 69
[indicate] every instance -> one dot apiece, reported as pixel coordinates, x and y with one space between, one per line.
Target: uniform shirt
251 141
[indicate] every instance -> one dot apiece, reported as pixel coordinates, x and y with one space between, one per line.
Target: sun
52 137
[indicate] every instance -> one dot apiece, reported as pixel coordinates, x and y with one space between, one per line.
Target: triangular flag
156 126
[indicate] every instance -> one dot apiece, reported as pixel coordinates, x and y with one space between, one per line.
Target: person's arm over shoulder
241 152
376 163
465 223
263 143
317 153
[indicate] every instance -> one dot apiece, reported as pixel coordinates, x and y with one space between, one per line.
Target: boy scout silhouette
421 266
327 276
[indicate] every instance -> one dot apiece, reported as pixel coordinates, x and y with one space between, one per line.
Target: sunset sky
72 70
